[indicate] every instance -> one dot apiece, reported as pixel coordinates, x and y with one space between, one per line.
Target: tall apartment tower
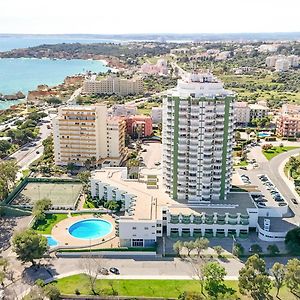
82 133
198 122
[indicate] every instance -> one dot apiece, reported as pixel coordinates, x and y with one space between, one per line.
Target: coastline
25 74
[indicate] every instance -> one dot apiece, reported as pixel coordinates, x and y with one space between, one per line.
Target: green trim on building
225 142
175 149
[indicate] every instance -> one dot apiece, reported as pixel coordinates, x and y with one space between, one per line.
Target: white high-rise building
198 123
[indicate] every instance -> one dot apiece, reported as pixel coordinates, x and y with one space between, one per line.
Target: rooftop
150 202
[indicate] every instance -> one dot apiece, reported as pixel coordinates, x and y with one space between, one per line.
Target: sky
151 16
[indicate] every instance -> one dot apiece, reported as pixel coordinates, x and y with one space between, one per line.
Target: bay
24 74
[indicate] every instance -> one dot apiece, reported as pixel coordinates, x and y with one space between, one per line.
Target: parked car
114 271
282 204
294 201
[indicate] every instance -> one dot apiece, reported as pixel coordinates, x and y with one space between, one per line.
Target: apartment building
114 85
282 63
288 122
139 125
160 68
84 133
241 113
156 114
258 111
198 123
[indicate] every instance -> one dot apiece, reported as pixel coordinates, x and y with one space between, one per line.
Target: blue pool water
90 229
263 134
51 241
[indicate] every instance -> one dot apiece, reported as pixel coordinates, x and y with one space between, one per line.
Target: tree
52 292
219 250
92 268
4 147
112 205
29 245
292 240
214 275
190 246
292 276
267 147
40 207
191 296
278 271
254 279
84 177
200 245
177 247
238 250
255 248
273 249
8 174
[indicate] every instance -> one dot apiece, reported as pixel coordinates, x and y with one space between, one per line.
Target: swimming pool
51 241
263 134
90 229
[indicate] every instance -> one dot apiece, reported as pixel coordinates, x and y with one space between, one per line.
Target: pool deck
61 234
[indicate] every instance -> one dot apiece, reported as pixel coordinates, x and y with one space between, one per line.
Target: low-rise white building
126 110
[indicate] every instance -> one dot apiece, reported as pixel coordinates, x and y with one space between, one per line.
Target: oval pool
90 229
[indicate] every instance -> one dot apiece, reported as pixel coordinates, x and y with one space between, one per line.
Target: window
133 228
146 228
137 243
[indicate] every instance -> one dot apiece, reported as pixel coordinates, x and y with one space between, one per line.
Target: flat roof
277 224
150 201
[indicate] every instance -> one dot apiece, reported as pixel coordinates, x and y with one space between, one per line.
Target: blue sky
151 16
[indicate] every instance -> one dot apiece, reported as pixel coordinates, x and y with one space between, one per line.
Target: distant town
181 162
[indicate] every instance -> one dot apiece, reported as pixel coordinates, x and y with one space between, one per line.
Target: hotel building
84 133
114 85
197 139
191 196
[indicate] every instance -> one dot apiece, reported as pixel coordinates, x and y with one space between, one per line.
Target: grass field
259 92
45 227
269 154
60 194
146 288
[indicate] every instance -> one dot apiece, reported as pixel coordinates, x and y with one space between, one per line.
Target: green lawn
269 154
46 226
146 288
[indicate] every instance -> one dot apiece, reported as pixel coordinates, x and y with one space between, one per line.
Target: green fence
27 180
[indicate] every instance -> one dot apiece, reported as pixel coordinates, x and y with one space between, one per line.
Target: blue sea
22 74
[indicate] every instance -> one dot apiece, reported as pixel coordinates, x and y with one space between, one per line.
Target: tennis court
61 194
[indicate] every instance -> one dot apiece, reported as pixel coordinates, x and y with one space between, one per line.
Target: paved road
72 100
27 154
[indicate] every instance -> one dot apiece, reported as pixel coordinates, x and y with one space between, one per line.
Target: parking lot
270 194
152 154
